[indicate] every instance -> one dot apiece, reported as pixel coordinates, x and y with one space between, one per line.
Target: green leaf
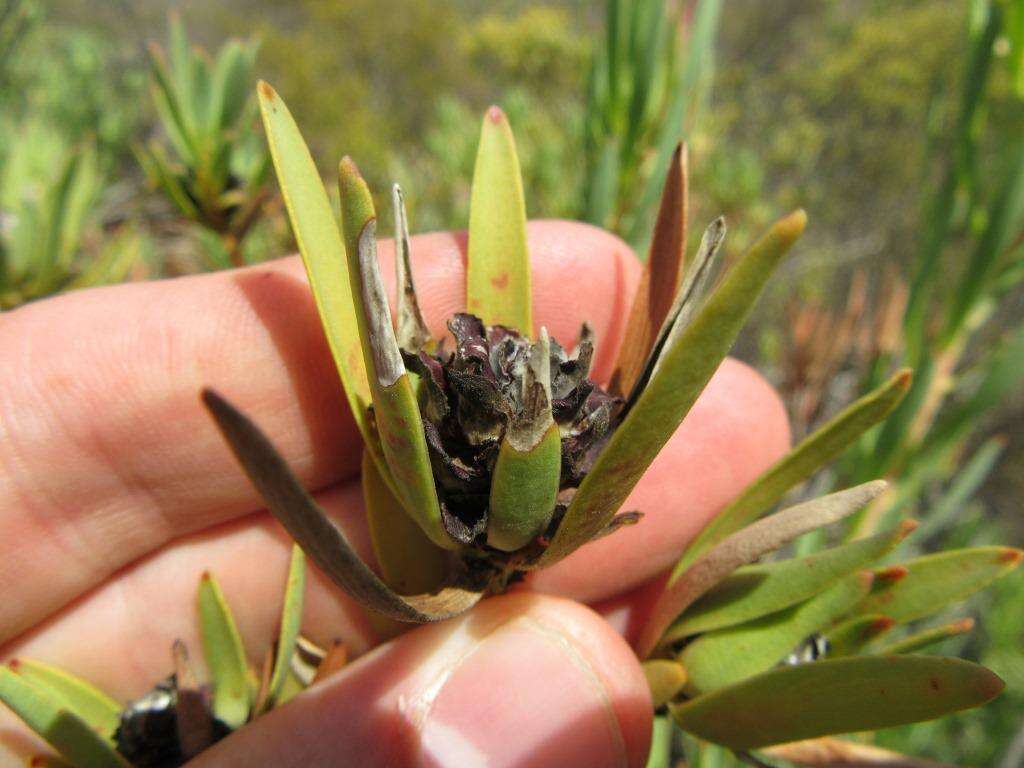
665 678
836 696
927 638
683 372
759 590
322 252
928 584
727 656
744 547
92 705
291 622
524 484
498 268
321 540
850 636
225 656
813 452
660 755
410 563
396 410
68 734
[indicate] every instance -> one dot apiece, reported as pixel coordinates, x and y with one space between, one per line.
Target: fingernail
524 696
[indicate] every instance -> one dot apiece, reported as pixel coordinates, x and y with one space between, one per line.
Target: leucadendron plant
498 455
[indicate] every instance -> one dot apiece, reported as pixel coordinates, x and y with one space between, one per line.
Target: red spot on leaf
935 683
1010 556
893 574
501 281
495 115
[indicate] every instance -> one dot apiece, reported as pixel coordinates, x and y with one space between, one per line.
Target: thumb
522 680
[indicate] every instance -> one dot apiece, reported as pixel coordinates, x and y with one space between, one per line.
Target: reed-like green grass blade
225 655
396 411
498 268
814 452
85 700
323 253
726 656
836 696
321 540
409 562
665 678
64 731
683 372
291 623
919 641
850 636
744 547
660 755
928 584
758 590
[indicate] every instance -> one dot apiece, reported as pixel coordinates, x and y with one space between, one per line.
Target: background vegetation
897 124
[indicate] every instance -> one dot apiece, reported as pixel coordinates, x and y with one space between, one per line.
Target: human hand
117 492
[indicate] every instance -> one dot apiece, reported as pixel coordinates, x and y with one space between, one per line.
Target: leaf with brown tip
745 546
321 540
659 280
928 637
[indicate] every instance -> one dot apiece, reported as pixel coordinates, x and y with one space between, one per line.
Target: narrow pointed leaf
745 546
660 279
291 622
321 540
813 452
688 300
835 753
726 656
665 678
410 563
85 700
836 696
849 637
932 582
684 371
396 411
225 656
758 590
498 268
323 254
412 328
927 638
65 732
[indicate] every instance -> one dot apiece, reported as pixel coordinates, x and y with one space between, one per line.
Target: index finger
105 451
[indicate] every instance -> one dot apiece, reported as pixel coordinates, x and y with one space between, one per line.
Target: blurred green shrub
50 235
213 165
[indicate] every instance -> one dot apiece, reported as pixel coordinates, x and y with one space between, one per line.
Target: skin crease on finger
105 386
